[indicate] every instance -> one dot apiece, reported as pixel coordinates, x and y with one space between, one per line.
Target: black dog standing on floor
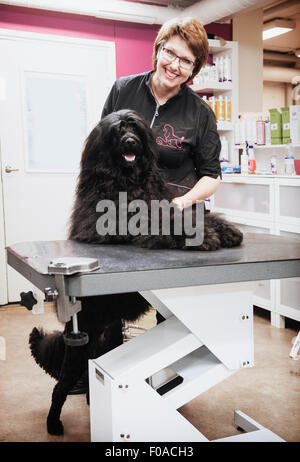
119 156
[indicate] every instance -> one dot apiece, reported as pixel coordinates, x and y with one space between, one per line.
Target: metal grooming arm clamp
67 307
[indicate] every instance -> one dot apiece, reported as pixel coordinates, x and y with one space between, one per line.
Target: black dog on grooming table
119 156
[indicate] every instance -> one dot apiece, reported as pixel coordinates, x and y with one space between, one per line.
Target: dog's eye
131 121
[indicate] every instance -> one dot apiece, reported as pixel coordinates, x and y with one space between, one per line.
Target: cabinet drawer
290 293
243 197
289 200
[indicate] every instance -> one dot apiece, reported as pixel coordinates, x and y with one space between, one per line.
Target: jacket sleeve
109 105
208 147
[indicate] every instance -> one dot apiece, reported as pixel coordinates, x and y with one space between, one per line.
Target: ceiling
279 50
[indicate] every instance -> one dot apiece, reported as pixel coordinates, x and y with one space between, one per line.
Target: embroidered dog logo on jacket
170 139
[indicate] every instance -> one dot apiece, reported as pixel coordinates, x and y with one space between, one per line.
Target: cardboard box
286 135
276 126
295 124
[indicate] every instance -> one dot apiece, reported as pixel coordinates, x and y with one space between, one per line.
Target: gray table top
127 268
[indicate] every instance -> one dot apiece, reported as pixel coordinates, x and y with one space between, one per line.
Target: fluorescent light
274 32
277 27
297 52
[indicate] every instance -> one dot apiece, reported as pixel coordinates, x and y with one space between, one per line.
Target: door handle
9 169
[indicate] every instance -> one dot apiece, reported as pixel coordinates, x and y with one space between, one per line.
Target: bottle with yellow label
227 109
220 109
212 103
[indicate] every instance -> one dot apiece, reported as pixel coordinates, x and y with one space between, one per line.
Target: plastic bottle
227 109
260 132
214 73
274 165
268 132
227 69
253 139
217 65
244 162
289 165
221 69
217 109
289 160
250 126
212 103
200 76
206 73
237 140
220 109
224 154
251 161
196 79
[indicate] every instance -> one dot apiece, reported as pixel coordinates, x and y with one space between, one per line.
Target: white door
55 91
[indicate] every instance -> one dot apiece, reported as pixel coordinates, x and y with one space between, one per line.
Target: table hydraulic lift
207 335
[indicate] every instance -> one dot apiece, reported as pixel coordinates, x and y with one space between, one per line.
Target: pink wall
134 42
134 47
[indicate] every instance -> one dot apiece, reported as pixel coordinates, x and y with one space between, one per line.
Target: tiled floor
269 392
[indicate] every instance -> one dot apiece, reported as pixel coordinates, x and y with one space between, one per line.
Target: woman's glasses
171 56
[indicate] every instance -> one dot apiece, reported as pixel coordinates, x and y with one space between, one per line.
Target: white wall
274 96
247 31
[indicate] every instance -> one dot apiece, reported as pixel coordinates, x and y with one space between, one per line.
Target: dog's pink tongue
129 157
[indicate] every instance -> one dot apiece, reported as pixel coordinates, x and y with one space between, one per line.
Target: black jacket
184 127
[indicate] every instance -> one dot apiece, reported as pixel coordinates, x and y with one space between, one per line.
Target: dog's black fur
100 317
105 171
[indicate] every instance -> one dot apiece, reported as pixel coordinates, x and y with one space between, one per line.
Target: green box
276 126
286 134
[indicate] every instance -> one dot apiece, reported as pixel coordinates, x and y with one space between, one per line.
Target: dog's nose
130 143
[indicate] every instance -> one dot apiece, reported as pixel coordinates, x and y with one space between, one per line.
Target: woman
183 124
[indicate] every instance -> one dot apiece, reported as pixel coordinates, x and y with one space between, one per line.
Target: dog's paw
211 240
55 427
231 237
210 245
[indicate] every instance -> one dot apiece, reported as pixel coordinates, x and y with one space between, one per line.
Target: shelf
224 126
270 146
215 46
212 87
251 177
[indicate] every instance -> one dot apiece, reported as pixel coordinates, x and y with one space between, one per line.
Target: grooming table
206 298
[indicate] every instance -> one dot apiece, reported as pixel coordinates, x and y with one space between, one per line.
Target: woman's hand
182 203
203 189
